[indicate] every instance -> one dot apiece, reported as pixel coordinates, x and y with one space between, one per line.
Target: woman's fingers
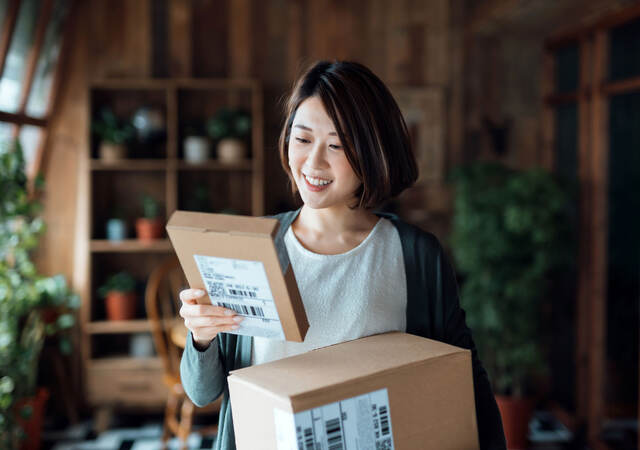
191 295
190 306
187 310
208 321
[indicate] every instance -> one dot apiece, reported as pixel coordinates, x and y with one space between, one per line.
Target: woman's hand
205 321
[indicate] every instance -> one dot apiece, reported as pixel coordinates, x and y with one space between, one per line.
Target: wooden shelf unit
113 378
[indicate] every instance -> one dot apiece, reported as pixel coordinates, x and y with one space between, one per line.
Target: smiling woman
360 272
369 140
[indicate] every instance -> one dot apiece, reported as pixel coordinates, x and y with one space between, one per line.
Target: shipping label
357 423
242 286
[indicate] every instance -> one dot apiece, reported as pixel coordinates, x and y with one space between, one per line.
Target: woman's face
317 159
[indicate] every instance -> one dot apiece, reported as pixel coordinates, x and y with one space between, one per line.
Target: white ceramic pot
231 150
197 149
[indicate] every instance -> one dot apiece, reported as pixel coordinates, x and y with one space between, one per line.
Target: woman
346 150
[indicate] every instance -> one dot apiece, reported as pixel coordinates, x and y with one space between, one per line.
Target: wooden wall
408 43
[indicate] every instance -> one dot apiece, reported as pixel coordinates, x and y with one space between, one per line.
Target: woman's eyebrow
306 128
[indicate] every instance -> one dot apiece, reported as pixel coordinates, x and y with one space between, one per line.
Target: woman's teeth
317 181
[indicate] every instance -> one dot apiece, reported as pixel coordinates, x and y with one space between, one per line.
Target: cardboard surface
240 241
429 386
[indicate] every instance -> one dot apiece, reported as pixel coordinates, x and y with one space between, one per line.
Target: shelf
130 246
118 326
175 83
125 362
130 164
216 165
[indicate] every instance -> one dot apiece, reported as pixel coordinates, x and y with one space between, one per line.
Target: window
31 39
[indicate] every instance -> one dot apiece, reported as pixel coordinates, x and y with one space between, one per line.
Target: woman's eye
301 140
335 147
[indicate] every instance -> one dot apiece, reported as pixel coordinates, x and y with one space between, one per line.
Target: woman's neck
336 220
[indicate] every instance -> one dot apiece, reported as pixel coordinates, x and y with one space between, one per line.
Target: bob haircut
369 124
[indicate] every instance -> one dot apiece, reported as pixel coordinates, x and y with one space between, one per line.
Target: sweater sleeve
202 372
490 431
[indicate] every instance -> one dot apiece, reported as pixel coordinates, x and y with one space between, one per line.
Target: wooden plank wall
416 43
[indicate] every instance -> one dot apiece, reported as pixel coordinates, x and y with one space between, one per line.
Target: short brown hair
368 122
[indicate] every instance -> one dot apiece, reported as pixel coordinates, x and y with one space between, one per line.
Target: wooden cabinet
113 377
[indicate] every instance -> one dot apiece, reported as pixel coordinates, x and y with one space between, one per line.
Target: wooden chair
163 304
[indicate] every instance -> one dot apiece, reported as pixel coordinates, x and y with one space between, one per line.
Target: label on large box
357 423
242 286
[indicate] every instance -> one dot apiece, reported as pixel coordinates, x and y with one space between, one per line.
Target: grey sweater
433 311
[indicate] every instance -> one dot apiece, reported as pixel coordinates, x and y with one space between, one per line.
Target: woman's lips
313 187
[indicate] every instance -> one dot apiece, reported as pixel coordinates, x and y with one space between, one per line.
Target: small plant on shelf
230 128
114 135
120 297
149 226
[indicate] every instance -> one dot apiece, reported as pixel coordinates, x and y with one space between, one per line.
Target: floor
124 435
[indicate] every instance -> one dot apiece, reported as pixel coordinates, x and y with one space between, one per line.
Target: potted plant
33 307
150 226
114 134
196 145
510 232
230 128
120 298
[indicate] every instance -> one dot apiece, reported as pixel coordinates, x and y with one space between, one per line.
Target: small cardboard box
242 264
388 391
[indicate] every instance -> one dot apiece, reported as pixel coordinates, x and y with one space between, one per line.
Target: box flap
328 366
223 223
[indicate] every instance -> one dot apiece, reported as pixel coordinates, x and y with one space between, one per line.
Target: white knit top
346 296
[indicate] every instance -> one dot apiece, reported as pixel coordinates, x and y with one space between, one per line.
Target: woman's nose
317 158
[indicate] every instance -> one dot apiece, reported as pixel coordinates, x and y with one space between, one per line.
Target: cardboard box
388 391
242 264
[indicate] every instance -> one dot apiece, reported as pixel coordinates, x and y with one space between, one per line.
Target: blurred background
525 120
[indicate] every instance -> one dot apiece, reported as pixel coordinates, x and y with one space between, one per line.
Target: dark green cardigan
433 311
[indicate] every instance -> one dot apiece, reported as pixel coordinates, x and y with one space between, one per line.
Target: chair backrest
163 304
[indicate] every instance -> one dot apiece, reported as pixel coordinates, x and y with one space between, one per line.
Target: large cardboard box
242 264
388 391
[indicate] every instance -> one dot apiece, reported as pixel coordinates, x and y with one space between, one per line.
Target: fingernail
238 319
198 292
235 327
228 312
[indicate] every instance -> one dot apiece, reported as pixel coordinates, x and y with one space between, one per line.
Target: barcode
240 293
215 289
334 434
384 420
243 309
308 438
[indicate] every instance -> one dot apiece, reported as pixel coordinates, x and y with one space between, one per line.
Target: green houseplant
32 307
230 128
114 135
149 226
510 232
120 298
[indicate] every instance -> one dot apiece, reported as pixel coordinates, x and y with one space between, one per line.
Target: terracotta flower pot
110 153
120 305
149 229
516 413
32 426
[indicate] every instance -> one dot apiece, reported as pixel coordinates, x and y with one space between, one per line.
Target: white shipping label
357 423
242 286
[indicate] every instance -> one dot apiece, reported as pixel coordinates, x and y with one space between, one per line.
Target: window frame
592 99
21 118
